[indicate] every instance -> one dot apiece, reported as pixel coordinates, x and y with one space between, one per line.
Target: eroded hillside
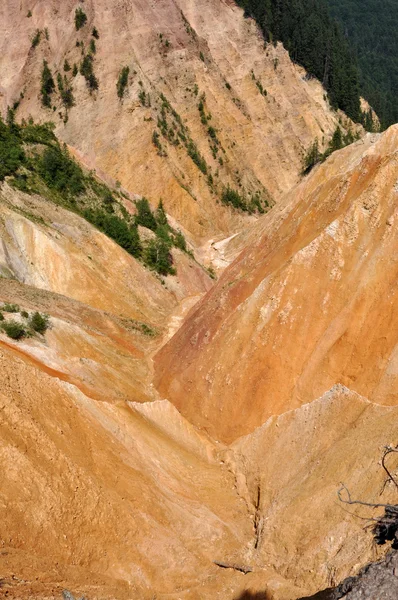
204 106
164 434
310 303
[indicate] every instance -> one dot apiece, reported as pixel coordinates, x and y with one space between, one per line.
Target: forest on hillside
372 28
316 41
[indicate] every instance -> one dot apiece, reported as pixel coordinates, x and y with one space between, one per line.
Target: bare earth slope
181 49
312 302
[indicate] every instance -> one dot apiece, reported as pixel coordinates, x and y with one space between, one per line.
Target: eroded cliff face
310 303
181 49
144 438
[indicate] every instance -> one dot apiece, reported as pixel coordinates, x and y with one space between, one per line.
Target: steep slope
312 302
180 50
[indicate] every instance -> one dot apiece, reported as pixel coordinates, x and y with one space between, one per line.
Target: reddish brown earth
160 427
310 303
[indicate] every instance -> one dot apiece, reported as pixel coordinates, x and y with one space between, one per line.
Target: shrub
160 215
47 85
157 257
66 65
36 38
39 323
24 314
117 229
197 158
80 18
65 91
13 329
230 196
12 155
60 172
75 70
1 316
95 33
10 308
144 215
122 81
180 242
87 70
92 47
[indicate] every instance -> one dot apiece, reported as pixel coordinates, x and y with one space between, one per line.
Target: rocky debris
376 581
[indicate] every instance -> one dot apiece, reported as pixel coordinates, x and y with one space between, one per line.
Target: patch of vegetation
47 168
66 65
87 70
10 308
36 38
95 33
256 203
29 14
122 81
80 18
92 47
47 85
60 172
313 155
157 256
39 323
126 236
13 329
65 91
12 154
145 216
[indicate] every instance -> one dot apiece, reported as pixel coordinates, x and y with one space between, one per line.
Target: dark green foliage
12 155
38 134
39 322
201 56
144 98
228 85
253 204
95 33
117 229
92 47
122 81
36 38
160 215
20 182
80 18
47 85
232 197
312 157
66 66
145 216
75 70
372 28
10 308
338 141
29 14
180 241
65 91
157 256
315 41
197 158
87 70
60 172
13 329
24 314
1 316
